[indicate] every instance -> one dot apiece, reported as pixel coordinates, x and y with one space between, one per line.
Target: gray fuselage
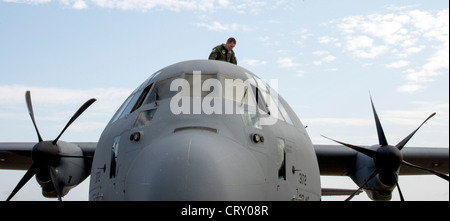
201 142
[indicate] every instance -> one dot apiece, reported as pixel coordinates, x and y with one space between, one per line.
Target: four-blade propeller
387 159
46 154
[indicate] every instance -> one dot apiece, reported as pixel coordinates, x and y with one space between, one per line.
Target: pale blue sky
326 55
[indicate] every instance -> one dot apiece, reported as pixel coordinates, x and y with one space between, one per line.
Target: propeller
387 158
46 154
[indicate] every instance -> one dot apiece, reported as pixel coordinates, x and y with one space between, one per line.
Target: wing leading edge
17 156
334 160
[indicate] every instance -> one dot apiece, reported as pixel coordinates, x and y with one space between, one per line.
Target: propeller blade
399 191
367 152
361 187
441 175
75 116
404 141
31 112
381 137
53 176
354 194
30 173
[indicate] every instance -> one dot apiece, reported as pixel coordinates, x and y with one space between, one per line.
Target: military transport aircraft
210 130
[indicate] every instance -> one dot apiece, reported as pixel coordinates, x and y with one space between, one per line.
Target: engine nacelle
376 189
44 179
70 170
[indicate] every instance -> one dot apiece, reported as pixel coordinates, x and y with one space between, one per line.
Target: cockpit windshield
255 97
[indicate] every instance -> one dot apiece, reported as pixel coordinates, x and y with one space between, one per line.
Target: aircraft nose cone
193 165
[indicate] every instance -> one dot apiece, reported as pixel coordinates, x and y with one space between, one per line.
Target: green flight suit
222 54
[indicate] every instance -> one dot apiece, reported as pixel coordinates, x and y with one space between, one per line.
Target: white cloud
241 6
363 46
401 32
400 8
338 121
145 5
108 99
77 4
387 27
327 39
436 65
409 42
224 3
412 117
53 107
401 27
287 62
300 73
320 53
362 41
414 50
253 62
327 59
398 64
419 112
383 29
410 88
35 2
217 26
263 38
432 26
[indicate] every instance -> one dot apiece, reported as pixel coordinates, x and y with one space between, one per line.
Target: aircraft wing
337 160
334 160
17 156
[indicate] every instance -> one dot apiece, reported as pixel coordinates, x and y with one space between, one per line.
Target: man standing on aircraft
224 52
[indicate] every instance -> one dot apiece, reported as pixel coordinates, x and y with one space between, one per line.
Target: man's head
231 42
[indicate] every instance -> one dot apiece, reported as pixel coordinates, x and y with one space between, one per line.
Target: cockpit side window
122 108
135 100
141 98
284 113
260 101
130 105
266 96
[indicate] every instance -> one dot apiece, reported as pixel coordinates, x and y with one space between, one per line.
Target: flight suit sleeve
214 54
233 60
